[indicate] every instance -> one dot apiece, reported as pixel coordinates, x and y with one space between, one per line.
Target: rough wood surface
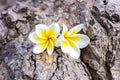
99 61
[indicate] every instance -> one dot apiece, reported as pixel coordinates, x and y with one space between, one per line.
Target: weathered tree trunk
99 61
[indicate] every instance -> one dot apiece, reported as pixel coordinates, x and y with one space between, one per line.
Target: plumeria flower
45 38
71 40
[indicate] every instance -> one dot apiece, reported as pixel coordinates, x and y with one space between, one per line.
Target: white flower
71 41
45 37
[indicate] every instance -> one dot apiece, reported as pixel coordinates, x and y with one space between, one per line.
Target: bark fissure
100 59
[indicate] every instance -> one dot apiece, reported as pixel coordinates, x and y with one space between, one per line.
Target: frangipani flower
71 41
45 37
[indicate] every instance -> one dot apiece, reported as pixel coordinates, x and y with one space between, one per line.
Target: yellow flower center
49 37
69 39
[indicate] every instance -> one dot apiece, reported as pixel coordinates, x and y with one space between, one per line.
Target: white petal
65 46
65 29
59 40
84 41
50 48
69 49
55 27
38 49
58 43
34 38
74 52
54 40
76 29
41 30
65 49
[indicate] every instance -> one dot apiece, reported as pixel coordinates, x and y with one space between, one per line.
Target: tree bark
100 60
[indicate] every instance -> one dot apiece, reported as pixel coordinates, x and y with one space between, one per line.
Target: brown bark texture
100 60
